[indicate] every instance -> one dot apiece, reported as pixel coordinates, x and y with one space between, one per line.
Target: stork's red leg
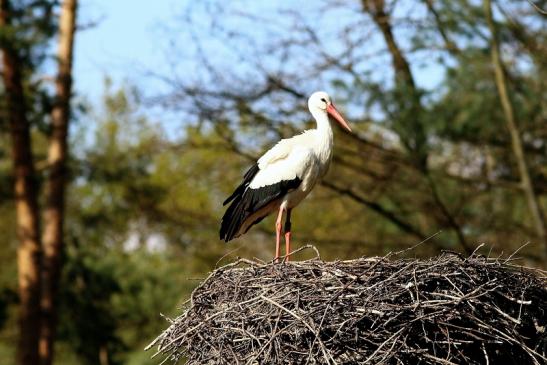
278 234
288 235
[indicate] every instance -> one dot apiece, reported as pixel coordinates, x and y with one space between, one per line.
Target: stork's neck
323 125
324 134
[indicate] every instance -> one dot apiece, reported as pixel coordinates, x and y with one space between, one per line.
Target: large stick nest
445 310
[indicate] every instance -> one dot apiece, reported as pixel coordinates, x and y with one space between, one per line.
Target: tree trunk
53 236
518 151
26 203
411 110
407 94
376 8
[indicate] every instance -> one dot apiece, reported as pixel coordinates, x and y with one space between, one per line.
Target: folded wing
277 172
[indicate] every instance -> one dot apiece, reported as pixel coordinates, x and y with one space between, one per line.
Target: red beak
331 109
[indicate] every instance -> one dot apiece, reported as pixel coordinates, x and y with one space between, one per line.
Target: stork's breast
309 181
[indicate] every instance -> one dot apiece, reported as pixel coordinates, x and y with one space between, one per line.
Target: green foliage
32 28
86 317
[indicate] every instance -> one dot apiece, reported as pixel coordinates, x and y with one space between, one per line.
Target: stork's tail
235 214
232 220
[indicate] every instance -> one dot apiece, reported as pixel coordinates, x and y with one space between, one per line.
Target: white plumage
283 176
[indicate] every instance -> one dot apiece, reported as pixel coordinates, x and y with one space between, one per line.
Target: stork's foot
277 252
278 234
288 246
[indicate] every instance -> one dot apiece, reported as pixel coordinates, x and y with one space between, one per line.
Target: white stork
283 176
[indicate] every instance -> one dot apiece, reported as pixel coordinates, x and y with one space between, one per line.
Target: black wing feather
246 201
247 178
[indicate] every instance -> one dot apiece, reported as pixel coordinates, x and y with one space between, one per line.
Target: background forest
110 195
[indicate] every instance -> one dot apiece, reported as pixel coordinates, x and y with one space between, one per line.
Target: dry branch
445 310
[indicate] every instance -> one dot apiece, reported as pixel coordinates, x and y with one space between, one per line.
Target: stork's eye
323 100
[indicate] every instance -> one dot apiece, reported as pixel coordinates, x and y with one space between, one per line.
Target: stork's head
320 102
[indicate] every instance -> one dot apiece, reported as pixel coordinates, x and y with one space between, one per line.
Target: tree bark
53 234
26 203
516 142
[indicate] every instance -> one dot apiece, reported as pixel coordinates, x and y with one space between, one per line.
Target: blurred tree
24 35
516 142
53 219
131 220
424 158
25 192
